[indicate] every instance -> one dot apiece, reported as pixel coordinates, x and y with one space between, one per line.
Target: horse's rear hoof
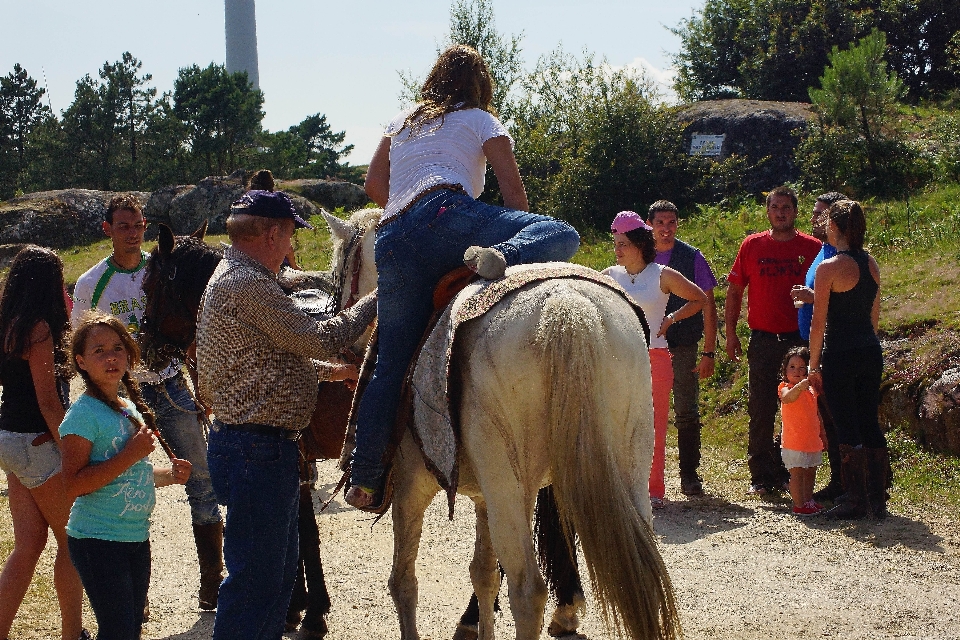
557 631
466 632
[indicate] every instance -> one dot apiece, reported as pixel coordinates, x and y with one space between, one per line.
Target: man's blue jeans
257 480
413 252
177 422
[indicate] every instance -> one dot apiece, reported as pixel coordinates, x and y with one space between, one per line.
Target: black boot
854 471
209 540
878 480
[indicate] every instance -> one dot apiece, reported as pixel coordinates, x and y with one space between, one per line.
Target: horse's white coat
556 389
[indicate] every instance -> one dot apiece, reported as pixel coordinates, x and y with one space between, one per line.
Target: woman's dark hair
459 80
850 221
794 352
643 239
90 321
33 293
261 180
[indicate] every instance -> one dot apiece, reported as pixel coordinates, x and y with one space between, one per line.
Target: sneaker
486 262
691 485
806 510
657 503
757 490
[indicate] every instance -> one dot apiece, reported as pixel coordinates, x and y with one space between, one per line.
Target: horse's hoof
466 632
557 631
308 632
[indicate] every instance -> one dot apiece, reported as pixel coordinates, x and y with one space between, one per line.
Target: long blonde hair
459 80
78 345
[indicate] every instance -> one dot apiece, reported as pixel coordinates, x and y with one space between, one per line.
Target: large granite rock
765 133
55 219
329 194
921 391
185 207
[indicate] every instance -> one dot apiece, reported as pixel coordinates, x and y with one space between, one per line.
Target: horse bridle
334 306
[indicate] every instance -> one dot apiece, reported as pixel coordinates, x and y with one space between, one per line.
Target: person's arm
875 311
504 163
731 315
377 184
707 363
673 282
266 308
822 286
792 394
42 371
80 477
177 473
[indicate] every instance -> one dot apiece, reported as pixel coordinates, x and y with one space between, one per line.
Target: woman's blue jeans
413 252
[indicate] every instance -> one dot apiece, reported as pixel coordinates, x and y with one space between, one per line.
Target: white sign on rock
703 145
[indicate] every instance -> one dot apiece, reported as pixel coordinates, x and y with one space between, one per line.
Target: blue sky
337 58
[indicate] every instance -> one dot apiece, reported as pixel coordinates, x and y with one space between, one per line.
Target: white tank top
644 288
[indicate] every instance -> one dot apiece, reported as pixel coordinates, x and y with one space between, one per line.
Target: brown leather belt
437 187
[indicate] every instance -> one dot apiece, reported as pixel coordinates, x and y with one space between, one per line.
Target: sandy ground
744 569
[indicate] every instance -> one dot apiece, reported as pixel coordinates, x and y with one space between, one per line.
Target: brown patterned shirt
254 346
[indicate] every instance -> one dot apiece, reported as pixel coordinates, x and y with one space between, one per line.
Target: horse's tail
630 580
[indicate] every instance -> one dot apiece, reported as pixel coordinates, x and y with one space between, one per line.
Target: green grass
917 245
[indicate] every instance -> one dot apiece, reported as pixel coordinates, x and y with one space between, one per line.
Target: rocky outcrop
185 207
329 194
765 133
55 218
921 389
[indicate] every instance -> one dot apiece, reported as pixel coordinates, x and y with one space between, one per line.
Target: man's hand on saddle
346 373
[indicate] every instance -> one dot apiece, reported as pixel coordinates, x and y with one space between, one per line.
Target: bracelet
813 370
708 354
672 317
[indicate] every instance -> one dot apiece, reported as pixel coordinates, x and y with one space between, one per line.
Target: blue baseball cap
269 204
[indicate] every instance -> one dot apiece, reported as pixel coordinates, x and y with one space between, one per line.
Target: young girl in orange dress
803 439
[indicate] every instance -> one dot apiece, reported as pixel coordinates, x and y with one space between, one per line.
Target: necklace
633 276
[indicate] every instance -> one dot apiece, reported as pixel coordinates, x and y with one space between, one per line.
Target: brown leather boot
854 472
878 480
209 540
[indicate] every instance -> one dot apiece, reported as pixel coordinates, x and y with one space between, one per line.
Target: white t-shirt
118 292
451 153
645 290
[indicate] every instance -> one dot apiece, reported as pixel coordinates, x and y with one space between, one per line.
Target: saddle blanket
434 425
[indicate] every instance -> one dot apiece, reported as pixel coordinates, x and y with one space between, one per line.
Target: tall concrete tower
241 27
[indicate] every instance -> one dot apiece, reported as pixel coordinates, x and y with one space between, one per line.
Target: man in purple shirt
690 365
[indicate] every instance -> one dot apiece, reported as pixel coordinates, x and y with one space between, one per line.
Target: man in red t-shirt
769 263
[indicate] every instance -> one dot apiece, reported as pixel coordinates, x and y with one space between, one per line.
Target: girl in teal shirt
106 442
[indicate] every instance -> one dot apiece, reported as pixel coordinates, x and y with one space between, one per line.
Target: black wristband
709 354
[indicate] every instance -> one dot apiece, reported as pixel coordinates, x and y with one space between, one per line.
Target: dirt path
741 570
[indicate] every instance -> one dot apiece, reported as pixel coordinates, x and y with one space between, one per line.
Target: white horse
556 390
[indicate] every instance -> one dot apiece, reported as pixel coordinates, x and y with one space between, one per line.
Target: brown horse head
176 274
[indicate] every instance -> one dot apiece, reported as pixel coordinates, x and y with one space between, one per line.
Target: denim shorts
32 465
803 459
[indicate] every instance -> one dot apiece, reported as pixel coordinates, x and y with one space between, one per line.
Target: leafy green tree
134 101
323 147
223 114
775 49
21 110
473 23
592 141
856 140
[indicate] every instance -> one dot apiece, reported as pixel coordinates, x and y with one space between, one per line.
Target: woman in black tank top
33 328
846 362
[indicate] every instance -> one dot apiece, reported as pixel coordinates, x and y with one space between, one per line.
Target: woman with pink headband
651 286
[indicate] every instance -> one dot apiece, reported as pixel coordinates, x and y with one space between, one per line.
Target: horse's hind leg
318 599
559 562
509 523
415 490
484 574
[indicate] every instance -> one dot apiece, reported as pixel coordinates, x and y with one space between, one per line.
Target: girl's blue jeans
413 252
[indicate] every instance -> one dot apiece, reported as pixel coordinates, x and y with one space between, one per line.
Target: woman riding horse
426 173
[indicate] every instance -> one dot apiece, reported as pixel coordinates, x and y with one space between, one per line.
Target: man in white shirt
115 285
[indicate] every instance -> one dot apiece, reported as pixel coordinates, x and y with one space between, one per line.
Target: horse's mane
363 221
